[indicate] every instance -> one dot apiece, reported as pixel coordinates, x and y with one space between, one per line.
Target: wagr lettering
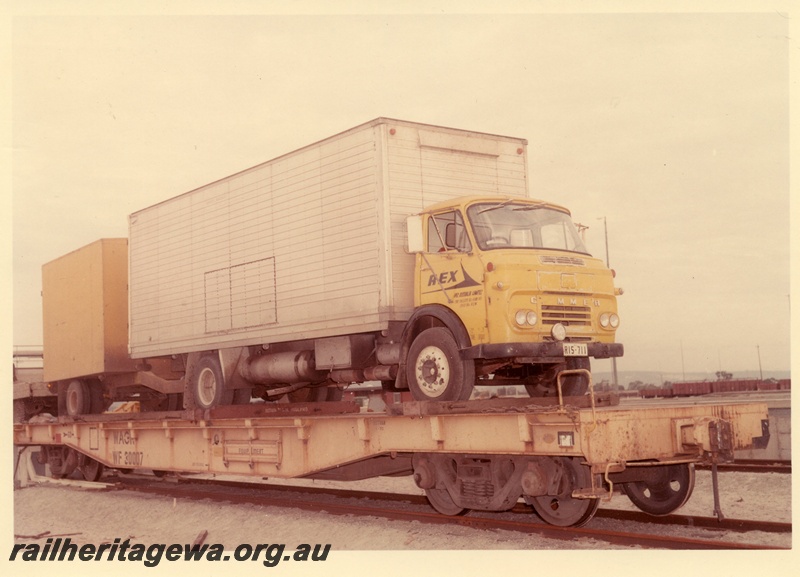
123 438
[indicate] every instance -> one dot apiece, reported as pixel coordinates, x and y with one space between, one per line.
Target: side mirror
450 235
415 239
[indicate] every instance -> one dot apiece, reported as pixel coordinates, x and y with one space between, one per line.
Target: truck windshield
518 225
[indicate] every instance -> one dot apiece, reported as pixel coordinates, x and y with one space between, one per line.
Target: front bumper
549 350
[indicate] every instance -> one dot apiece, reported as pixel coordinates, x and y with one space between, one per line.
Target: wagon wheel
91 469
564 510
664 493
62 460
441 500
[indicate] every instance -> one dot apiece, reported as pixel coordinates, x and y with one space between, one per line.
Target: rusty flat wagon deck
304 439
506 447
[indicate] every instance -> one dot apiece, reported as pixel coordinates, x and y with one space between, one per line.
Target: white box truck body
308 245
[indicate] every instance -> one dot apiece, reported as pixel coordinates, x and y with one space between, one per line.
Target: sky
673 127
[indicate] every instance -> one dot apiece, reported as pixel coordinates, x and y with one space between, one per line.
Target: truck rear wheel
315 395
435 369
208 384
546 384
81 397
78 400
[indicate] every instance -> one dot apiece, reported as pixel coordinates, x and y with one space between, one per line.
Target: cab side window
446 231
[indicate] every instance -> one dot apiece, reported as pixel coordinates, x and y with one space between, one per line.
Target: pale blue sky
673 126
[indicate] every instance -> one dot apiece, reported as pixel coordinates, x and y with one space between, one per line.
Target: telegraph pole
608 264
760 372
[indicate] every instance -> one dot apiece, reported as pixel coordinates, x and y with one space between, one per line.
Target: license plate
576 350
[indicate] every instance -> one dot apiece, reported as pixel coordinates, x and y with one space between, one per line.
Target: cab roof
464 201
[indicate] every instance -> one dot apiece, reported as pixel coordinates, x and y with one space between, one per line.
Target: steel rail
197 491
752 466
674 519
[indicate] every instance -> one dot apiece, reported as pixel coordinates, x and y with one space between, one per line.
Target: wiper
521 207
498 205
531 206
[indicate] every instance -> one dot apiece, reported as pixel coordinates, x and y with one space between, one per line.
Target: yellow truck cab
510 296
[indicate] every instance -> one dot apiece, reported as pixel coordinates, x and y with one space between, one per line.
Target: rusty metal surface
251 441
516 405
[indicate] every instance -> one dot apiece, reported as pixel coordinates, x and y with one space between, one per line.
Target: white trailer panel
308 245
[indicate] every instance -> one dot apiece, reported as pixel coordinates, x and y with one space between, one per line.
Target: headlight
525 318
609 320
559 332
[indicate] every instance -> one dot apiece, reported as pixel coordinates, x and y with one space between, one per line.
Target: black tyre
97 402
315 395
435 370
546 385
242 396
208 384
78 400
172 402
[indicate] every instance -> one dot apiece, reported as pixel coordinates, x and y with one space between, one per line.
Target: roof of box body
375 122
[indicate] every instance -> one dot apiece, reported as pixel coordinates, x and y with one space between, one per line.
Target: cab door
450 272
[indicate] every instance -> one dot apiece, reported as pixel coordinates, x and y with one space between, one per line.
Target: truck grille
566 315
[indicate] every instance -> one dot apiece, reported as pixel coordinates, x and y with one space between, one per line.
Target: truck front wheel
435 369
208 384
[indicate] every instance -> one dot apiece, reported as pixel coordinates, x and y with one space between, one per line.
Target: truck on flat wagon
395 251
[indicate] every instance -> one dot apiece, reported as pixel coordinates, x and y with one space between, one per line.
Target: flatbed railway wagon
561 455
394 252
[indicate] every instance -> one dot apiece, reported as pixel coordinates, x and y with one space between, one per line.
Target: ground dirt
92 516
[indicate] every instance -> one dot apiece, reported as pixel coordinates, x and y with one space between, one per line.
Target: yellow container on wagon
85 312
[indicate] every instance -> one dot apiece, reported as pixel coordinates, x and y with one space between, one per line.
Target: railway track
753 466
613 528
